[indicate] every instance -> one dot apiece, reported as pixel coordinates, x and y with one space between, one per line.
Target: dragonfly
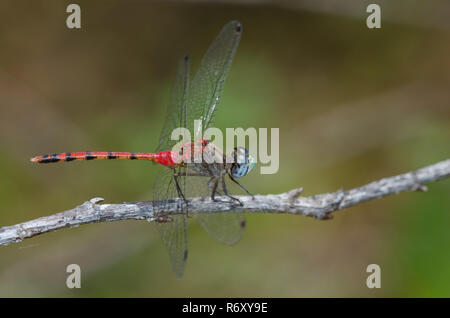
181 176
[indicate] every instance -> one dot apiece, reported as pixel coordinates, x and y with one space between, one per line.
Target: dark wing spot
185 254
238 28
243 223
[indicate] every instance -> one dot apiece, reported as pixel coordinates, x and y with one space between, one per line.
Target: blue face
244 163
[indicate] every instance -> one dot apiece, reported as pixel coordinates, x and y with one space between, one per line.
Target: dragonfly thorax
204 158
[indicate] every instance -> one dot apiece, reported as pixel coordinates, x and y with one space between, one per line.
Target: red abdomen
166 158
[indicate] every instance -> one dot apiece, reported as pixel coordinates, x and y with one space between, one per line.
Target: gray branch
318 206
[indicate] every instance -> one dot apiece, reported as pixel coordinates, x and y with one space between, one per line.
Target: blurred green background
353 105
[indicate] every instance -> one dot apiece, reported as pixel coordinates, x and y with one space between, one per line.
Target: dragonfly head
243 162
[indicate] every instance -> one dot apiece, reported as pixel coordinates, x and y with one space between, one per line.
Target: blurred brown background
353 105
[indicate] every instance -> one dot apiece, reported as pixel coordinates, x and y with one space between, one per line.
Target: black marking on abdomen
49 158
45 159
89 156
54 158
111 156
133 155
69 157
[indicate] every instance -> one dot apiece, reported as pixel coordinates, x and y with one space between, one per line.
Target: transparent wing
173 233
207 86
187 103
176 112
203 101
226 228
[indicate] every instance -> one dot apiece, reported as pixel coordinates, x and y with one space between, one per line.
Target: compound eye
239 170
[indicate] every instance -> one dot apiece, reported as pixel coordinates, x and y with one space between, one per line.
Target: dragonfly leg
180 192
224 186
214 188
237 182
211 182
177 185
